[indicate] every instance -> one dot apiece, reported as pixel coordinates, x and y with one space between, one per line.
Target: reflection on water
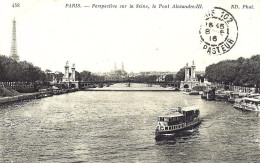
119 127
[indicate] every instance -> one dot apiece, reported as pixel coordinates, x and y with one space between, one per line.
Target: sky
49 34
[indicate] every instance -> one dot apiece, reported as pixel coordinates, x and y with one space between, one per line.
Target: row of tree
240 72
12 71
88 76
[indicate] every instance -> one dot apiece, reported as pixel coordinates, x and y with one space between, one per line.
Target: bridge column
66 75
73 76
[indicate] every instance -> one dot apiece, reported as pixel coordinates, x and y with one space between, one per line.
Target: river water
89 126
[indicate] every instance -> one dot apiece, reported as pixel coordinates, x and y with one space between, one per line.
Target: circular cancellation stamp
219 31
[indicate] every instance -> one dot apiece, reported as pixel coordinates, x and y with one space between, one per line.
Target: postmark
218 32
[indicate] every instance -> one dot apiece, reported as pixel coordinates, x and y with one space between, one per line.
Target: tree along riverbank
243 72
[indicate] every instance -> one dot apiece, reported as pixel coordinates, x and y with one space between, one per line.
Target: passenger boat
186 91
180 119
246 103
190 92
233 96
193 92
208 94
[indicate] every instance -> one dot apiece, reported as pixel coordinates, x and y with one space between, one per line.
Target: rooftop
189 108
251 99
175 114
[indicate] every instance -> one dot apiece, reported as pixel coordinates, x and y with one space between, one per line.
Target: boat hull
246 108
194 93
162 133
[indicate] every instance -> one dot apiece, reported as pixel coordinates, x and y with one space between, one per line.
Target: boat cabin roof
251 99
189 108
257 97
176 114
254 96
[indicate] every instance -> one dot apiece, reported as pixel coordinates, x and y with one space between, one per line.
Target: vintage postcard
129 81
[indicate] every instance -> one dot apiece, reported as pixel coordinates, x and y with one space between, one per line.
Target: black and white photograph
138 81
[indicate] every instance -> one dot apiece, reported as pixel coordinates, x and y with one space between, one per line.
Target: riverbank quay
220 94
129 90
132 89
24 96
30 96
226 96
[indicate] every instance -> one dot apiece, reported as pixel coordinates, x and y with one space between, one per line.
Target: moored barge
249 104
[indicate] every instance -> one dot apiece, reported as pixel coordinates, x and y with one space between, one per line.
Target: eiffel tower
13 53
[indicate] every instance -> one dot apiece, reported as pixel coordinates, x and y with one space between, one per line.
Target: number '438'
15 5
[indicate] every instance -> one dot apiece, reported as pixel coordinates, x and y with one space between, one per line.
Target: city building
116 74
163 76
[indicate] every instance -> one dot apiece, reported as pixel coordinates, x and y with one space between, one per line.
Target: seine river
96 126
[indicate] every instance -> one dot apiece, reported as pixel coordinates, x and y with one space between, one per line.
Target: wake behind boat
180 119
